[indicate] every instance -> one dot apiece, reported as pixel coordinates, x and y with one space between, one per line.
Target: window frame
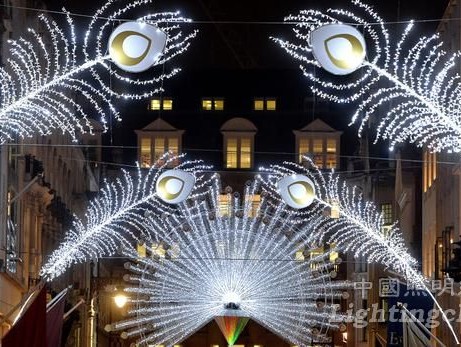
239 153
155 139
324 158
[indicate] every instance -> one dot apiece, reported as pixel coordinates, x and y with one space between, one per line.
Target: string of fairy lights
419 102
41 73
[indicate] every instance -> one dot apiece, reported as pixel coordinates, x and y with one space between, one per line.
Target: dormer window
155 140
319 142
238 137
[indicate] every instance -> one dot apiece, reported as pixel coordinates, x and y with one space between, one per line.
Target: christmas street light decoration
194 233
43 77
117 217
357 228
225 259
415 91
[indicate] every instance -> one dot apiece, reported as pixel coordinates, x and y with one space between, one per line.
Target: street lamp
120 300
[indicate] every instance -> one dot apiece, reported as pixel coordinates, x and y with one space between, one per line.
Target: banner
30 329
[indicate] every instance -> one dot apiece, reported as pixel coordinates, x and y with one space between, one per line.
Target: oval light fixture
338 48
135 46
297 191
174 186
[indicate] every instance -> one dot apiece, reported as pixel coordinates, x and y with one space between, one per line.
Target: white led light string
114 219
423 104
356 230
207 245
43 73
237 253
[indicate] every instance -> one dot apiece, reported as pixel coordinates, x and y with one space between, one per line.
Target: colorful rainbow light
231 327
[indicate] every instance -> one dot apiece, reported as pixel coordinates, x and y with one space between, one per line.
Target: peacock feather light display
230 258
410 84
213 253
116 218
337 213
57 80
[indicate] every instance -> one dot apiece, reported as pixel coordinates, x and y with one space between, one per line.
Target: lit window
231 154
259 105
318 146
331 154
254 201
334 210
167 104
207 104
333 254
386 211
303 149
245 153
429 170
146 152
219 104
158 250
323 151
9 197
158 104
224 201
316 255
299 255
239 153
331 161
159 148
265 104
213 104
161 145
317 149
331 145
173 145
271 104
141 249
155 104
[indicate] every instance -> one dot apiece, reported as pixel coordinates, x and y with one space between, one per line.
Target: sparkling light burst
116 217
216 257
43 75
416 92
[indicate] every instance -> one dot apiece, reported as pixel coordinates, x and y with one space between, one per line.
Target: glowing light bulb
120 300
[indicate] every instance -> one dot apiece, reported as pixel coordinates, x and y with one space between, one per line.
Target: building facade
44 181
441 203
